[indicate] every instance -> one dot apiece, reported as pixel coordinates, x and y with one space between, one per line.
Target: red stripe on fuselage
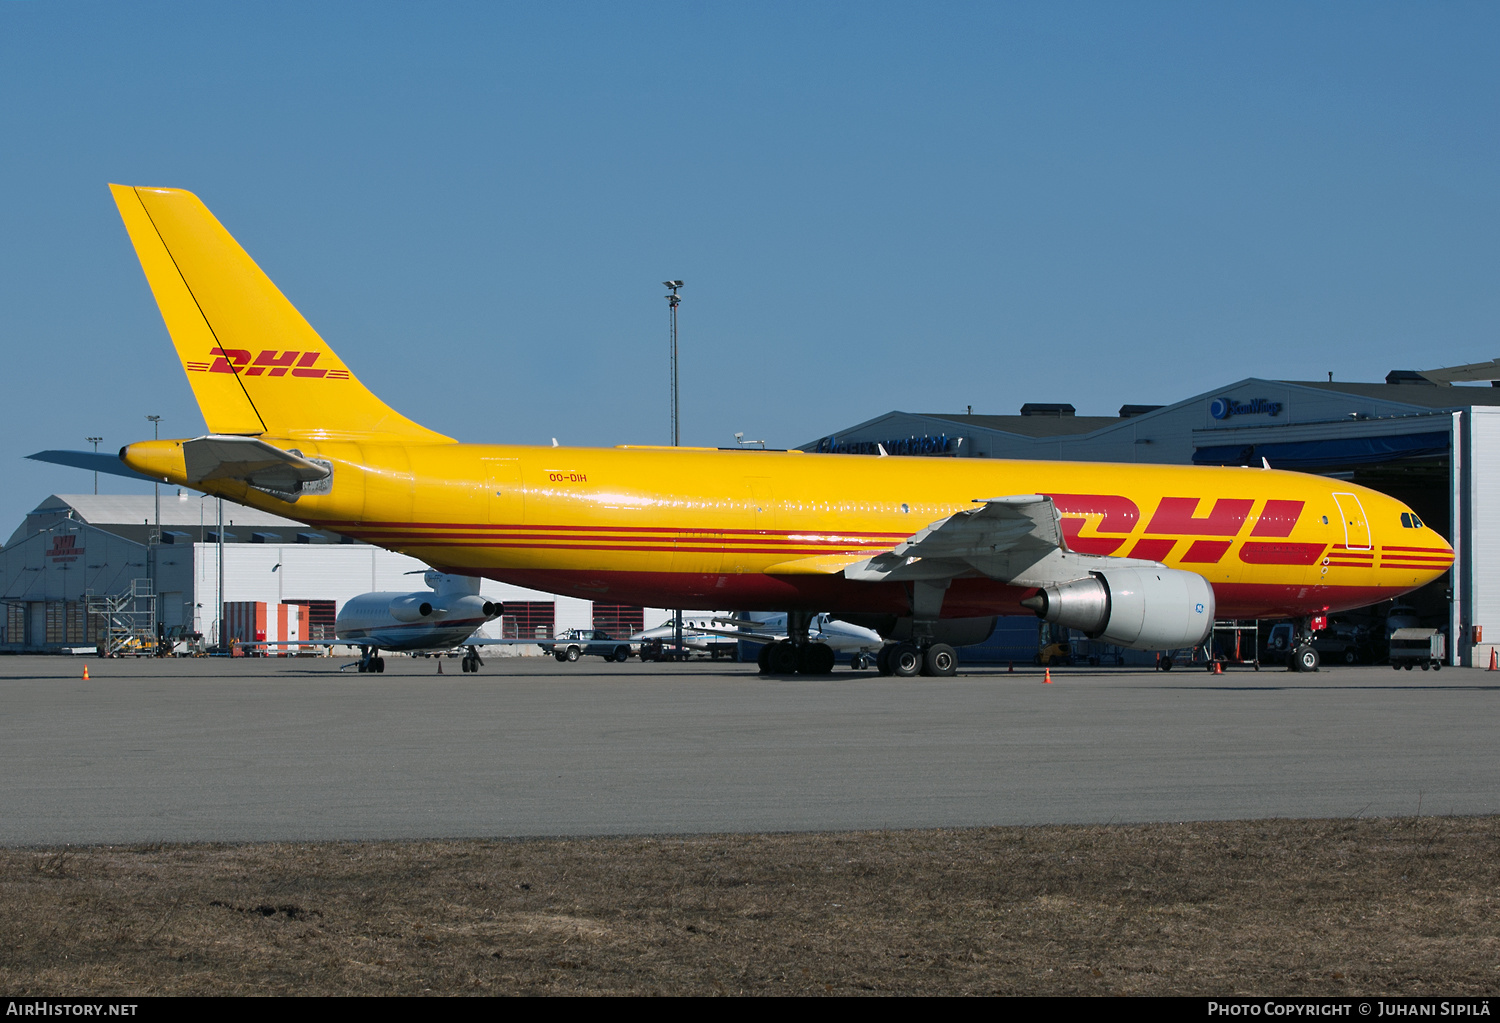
965 598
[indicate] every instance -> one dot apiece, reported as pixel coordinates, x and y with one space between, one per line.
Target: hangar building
1418 437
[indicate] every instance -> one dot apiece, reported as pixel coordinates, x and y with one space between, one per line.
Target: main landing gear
796 654
471 661
907 660
786 658
922 654
371 660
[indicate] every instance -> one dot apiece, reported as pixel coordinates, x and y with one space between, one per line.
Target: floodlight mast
95 441
673 300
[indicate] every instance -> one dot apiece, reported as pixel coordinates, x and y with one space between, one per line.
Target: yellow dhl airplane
928 550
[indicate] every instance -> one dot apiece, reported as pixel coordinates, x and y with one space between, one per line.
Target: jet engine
1139 608
427 607
414 608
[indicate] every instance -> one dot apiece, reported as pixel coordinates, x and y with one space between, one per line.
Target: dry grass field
1401 906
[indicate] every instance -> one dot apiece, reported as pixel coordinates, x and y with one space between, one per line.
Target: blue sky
874 206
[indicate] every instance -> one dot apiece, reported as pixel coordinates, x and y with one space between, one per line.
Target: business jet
699 635
445 615
925 551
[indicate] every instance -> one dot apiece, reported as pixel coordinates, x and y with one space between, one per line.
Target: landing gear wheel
883 660
379 665
940 660
783 659
815 659
1165 664
764 658
906 661
1306 659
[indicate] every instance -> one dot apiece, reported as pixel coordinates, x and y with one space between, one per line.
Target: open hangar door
1416 467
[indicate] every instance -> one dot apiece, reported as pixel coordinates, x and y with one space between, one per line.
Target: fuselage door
505 496
1356 526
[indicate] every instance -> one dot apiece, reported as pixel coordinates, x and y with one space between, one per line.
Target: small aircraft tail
255 365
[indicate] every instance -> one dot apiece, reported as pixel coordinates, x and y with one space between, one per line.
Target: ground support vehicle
1413 647
1236 644
575 643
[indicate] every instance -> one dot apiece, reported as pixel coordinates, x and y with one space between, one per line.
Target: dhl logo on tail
270 361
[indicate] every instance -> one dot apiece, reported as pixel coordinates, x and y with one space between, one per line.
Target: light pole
156 435
673 301
95 441
153 551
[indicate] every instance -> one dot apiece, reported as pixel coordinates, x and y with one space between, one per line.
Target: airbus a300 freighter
927 550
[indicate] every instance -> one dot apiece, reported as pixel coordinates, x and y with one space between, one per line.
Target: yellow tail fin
255 365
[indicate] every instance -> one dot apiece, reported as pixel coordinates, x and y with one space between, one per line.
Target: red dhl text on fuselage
1265 539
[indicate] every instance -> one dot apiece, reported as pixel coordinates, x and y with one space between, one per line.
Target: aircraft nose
1415 545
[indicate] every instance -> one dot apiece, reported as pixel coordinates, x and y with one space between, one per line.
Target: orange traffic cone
1010 667
86 670
1218 668
1494 662
1047 676
440 665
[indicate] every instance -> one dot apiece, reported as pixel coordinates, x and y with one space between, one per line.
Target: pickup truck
575 643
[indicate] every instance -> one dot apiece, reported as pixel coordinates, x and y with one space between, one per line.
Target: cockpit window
1416 522
1406 520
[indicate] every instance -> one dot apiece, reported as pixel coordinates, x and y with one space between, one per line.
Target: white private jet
700 635
445 615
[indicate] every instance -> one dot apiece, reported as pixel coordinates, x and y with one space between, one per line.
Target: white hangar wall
275 573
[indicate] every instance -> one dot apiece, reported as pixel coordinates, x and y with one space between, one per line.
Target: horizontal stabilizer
263 466
93 461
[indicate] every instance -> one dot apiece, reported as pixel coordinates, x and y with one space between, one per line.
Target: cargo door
745 554
506 499
1356 526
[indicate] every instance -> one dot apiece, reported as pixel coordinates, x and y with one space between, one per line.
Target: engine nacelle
413 608
1139 608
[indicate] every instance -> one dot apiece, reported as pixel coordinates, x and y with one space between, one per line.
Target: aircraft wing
748 637
1016 539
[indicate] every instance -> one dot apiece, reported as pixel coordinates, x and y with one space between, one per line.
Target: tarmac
292 749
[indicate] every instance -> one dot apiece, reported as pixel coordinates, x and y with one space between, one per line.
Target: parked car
575 643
